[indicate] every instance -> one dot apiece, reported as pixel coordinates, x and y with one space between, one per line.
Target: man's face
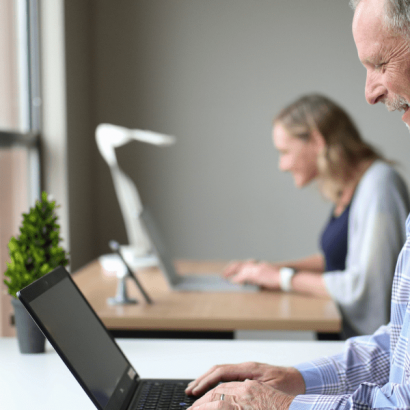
386 57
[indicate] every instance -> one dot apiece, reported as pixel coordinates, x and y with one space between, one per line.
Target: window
20 105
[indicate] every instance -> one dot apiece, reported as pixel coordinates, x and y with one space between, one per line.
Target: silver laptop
194 282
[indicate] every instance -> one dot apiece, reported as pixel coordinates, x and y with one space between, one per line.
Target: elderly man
373 371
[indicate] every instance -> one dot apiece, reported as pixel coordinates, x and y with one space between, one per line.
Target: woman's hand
286 379
247 395
259 273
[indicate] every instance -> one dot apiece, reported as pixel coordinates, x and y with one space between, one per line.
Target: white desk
42 382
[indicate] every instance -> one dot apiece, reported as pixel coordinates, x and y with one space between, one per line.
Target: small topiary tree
36 250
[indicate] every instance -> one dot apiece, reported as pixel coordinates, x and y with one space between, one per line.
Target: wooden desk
196 311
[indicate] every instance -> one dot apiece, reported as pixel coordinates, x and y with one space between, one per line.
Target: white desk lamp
139 251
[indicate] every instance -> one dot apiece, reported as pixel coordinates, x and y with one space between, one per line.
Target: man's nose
374 90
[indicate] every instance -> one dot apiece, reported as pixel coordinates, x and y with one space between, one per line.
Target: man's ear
317 139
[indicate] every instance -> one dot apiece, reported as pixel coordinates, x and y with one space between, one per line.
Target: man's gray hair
397 17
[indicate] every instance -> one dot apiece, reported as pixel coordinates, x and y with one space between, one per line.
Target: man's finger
215 395
226 373
221 373
213 405
218 396
211 381
195 383
209 397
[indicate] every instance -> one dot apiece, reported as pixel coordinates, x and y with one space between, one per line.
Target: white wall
214 73
81 149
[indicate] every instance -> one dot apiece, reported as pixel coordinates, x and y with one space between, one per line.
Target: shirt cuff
320 376
303 402
315 401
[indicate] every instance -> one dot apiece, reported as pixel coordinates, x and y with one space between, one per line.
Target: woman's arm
313 263
311 283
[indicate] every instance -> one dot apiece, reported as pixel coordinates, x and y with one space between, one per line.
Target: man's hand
259 273
286 379
247 395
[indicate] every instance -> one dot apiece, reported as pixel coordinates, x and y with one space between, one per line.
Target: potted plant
35 252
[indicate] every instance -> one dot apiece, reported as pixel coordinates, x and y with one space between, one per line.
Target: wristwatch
286 275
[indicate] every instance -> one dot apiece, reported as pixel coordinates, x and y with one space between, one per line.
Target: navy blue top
334 241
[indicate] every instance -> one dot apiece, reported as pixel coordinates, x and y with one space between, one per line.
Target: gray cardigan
376 234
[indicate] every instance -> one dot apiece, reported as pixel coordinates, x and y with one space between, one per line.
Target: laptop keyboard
164 396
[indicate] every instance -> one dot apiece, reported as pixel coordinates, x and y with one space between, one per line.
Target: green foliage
36 250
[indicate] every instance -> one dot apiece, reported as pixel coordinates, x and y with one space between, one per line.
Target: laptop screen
80 336
161 248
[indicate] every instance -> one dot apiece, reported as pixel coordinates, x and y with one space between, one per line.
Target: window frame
26 43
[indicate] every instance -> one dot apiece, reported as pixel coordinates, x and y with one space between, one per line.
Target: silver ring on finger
222 397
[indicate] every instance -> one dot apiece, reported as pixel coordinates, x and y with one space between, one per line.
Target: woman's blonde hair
345 149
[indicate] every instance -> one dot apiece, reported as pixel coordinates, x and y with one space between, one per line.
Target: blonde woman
317 140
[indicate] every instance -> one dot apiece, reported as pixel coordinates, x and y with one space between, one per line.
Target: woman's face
297 156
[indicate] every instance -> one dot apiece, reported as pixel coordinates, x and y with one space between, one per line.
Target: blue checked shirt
373 371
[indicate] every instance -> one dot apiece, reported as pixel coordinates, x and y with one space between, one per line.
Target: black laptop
91 354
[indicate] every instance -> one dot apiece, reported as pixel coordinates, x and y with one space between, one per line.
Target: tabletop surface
203 311
42 382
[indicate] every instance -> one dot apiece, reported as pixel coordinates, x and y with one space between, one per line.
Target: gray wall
81 148
213 73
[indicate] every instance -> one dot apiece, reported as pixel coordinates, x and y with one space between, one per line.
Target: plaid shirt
373 371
